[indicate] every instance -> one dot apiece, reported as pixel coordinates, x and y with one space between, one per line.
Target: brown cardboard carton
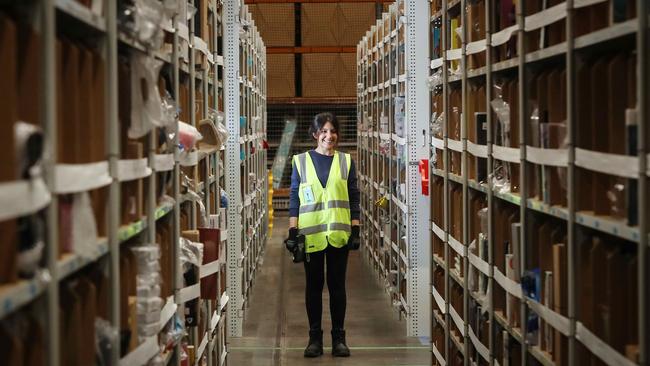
88 299
12 348
599 113
602 313
36 356
28 75
70 326
616 288
560 294
534 40
584 197
69 135
210 239
85 122
98 137
8 168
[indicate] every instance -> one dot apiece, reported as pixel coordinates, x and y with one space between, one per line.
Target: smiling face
327 138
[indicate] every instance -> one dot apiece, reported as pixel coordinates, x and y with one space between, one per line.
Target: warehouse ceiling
311 45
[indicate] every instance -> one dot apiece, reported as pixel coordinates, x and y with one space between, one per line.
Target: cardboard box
599 112
70 326
329 75
68 104
28 75
8 169
211 242
275 22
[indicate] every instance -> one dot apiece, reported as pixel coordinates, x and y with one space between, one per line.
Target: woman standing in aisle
324 211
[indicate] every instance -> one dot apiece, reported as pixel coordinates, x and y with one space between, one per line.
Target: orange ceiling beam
314 1
332 49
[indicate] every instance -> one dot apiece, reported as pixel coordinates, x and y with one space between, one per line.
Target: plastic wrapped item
191 254
148 291
170 111
143 20
148 318
188 136
84 226
384 147
105 338
146 104
501 173
198 199
150 279
147 305
399 116
435 80
172 333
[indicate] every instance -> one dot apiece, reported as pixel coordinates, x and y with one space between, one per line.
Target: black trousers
336 260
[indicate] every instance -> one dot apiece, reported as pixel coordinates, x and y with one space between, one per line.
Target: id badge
308 194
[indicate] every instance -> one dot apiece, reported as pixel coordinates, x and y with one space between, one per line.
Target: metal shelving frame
104 29
520 68
246 179
396 39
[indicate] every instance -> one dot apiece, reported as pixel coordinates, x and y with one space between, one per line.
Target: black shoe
339 348
315 346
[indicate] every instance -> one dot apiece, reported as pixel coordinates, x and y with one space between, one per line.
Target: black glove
291 241
354 242
295 244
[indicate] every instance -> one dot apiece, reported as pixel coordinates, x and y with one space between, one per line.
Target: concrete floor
276 330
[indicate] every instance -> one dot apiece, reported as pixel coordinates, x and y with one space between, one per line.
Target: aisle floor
276 330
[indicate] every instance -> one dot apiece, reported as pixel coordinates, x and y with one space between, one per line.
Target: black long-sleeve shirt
322 164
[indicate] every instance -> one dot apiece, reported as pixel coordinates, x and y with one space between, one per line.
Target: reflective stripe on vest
324 211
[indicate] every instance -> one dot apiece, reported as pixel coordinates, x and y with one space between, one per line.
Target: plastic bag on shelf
172 333
146 104
105 338
191 254
198 199
143 19
435 80
188 136
501 174
170 111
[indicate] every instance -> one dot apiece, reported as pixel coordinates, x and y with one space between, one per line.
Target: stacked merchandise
393 167
110 181
247 171
535 205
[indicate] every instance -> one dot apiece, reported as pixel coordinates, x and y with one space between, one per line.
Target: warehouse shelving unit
246 179
392 106
528 267
193 72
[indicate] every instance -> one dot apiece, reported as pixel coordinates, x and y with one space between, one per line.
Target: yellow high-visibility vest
324 212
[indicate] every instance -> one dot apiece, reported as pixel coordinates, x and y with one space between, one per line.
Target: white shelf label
455 145
556 320
476 47
504 35
512 287
167 312
20 198
610 164
74 178
599 348
509 154
142 354
437 63
480 347
457 246
480 151
163 162
210 268
189 293
132 169
549 157
545 17
439 300
454 54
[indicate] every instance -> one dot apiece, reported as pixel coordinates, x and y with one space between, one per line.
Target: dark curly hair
320 120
